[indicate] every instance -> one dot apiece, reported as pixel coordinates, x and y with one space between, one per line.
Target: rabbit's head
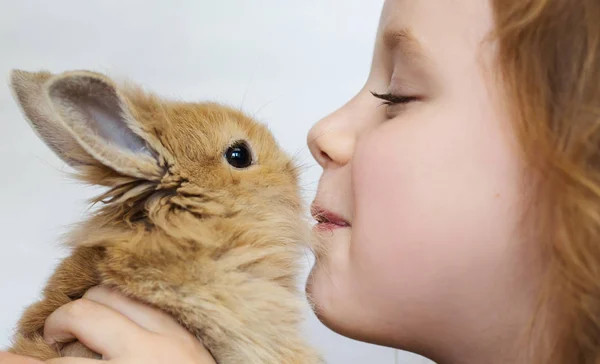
166 164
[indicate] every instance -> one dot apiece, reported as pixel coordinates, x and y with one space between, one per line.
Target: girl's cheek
430 201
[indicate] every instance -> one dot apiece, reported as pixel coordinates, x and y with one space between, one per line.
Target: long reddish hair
549 55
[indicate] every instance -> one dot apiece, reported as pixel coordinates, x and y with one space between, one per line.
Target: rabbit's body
218 247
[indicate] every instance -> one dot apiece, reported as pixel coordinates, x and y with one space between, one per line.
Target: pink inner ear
93 112
108 122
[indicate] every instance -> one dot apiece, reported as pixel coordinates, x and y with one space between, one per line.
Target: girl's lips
327 226
327 219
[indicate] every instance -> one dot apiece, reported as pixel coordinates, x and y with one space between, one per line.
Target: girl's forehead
427 15
437 34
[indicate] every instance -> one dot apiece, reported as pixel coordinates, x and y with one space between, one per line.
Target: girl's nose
330 143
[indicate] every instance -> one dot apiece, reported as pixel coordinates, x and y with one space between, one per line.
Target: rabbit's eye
238 155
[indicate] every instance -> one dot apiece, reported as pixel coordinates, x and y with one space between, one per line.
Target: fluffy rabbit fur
179 228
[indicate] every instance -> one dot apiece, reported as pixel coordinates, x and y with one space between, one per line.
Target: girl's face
422 198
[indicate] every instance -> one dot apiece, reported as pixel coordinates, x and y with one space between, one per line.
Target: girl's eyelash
391 99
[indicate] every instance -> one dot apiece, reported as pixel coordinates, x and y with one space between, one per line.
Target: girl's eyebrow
406 42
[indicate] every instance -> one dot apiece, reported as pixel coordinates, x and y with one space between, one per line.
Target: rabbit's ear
84 119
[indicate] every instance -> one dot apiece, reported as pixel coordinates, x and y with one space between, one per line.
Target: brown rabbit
202 217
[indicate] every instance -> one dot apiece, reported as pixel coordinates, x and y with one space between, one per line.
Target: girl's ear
84 119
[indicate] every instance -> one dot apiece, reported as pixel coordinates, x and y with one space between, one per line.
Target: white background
288 62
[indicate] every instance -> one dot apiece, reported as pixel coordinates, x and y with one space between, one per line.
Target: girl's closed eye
392 99
395 103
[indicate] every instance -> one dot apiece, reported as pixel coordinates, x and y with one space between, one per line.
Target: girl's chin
330 304
328 242
331 265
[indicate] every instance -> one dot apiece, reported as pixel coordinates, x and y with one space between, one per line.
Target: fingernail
95 291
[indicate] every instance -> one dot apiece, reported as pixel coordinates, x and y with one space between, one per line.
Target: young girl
459 206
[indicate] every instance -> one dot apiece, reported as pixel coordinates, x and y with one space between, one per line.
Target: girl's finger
98 327
9 358
72 360
147 317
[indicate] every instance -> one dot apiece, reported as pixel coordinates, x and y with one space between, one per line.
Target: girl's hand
123 331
